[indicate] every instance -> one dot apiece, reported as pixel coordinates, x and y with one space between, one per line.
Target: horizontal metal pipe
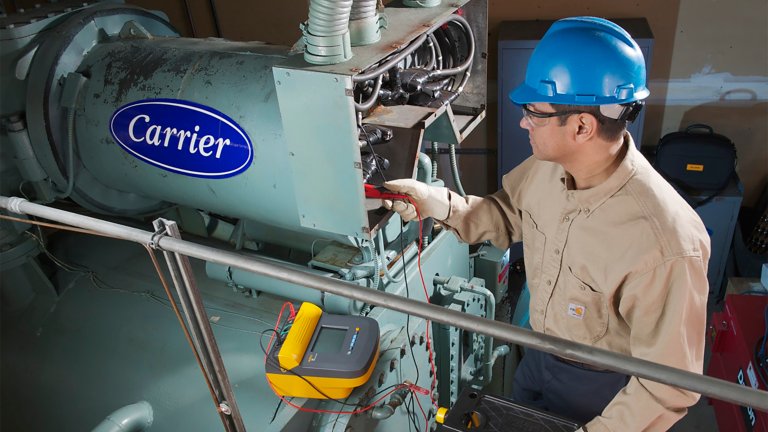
708 386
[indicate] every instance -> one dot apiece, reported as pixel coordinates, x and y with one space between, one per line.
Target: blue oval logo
182 137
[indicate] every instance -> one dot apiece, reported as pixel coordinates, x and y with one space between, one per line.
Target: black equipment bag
696 162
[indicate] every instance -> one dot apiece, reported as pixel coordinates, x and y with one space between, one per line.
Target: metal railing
705 385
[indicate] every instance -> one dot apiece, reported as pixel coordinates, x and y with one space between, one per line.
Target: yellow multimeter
335 353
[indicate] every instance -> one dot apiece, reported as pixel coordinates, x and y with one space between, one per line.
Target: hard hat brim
525 94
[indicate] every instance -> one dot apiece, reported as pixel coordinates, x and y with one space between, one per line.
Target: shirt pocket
534 242
583 314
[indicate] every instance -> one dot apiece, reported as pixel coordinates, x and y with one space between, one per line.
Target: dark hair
608 129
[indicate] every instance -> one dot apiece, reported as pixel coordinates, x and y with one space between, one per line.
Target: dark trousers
548 383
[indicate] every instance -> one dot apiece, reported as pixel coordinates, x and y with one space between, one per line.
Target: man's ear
586 126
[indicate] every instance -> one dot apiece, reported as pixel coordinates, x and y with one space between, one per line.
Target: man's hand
432 201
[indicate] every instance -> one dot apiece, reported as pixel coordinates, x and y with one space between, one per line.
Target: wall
719 76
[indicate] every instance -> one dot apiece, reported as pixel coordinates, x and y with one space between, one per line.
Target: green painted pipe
130 418
329 302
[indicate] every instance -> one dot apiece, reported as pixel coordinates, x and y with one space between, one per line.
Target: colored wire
408 316
426 421
409 411
426 296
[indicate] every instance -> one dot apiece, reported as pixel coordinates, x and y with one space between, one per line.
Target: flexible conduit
327 31
470 56
328 17
708 386
362 9
455 170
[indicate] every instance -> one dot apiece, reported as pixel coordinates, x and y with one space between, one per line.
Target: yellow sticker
694 167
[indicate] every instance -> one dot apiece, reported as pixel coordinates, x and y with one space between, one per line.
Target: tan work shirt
621 266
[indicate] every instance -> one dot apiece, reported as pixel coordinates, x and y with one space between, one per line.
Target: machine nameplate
182 137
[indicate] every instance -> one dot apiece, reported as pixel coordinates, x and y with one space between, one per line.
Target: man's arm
495 217
666 312
492 218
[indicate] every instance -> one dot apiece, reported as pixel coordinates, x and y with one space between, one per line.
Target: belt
580 364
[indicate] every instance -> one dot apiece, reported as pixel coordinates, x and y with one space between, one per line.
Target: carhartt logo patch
576 310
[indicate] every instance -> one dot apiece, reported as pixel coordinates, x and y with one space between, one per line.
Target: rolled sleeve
475 219
496 217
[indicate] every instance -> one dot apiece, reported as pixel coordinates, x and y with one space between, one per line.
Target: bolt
224 408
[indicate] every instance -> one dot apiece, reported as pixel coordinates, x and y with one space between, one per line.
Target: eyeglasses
538 119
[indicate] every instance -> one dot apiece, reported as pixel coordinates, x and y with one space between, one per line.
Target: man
614 257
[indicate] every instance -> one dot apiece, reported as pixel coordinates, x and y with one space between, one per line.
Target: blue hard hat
584 61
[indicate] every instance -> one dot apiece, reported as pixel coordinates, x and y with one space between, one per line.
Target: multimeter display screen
329 340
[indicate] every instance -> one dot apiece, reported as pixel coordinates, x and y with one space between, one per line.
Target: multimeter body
335 353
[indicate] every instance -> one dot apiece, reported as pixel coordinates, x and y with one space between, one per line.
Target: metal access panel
325 166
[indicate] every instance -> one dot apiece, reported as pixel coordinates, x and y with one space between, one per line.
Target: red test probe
380 192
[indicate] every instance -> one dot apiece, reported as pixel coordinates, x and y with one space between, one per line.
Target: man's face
549 140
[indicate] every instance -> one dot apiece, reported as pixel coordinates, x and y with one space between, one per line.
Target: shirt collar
590 199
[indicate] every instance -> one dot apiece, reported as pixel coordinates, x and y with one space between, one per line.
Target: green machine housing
89 314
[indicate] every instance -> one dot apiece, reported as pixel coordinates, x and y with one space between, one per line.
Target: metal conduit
708 386
328 17
362 9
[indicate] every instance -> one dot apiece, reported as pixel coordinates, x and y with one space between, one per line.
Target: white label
752 376
576 310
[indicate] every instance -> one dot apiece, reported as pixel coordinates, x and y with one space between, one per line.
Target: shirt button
566 218
586 211
549 282
557 251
